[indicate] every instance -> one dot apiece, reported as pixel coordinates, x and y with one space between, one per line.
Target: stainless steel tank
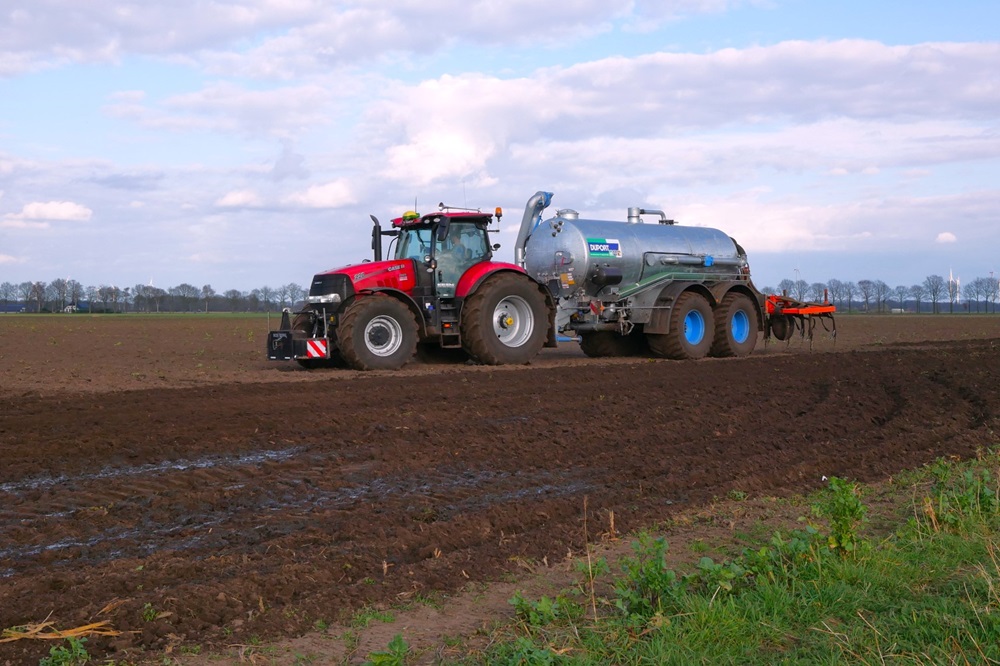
580 253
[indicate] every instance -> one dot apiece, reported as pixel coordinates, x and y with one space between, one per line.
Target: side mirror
496 246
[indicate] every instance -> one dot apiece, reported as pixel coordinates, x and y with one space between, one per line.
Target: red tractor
441 288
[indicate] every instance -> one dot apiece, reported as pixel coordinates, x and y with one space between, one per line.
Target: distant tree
954 287
253 300
768 290
38 295
992 292
867 292
74 291
981 290
206 295
934 286
266 295
816 291
917 293
156 296
92 296
185 296
800 290
105 294
234 297
901 293
787 287
882 291
836 288
24 291
298 292
294 293
59 289
8 292
850 289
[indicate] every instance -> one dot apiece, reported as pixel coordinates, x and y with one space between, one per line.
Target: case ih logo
604 247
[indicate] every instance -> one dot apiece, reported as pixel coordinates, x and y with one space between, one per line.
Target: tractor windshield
415 243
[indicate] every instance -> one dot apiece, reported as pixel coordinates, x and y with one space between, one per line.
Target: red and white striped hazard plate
316 349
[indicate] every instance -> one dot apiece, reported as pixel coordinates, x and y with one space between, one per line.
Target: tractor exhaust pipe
532 216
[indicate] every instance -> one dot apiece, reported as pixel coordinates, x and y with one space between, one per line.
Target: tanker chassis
619 288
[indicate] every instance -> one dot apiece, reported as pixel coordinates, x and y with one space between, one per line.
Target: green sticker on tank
604 247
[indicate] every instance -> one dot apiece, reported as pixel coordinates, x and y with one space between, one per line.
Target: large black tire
689 335
377 332
608 343
505 321
735 326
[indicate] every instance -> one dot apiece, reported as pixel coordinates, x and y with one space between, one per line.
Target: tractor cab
443 246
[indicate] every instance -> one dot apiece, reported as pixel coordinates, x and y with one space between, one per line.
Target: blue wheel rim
740 326
694 327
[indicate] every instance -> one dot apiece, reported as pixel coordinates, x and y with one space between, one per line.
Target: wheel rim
383 336
694 327
513 321
740 326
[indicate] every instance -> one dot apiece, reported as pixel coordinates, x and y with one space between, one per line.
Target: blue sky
244 144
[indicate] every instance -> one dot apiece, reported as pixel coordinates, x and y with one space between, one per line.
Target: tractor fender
659 321
473 278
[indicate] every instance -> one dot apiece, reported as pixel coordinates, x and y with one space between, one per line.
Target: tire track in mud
299 482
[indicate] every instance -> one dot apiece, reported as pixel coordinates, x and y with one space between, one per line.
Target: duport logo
604 247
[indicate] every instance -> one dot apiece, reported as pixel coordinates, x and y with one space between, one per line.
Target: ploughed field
158 474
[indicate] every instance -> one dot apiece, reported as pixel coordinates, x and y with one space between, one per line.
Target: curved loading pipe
532 213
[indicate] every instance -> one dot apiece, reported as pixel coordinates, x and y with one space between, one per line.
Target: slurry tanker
618 287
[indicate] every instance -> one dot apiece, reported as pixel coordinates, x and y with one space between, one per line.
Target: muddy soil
157 474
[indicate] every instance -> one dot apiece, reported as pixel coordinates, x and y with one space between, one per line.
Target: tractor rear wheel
505 320
608 343
688 336
377 332
735 326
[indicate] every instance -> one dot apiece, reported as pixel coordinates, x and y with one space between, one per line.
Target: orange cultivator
784 315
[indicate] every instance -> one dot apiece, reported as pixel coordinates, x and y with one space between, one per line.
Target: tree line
61 295
931 295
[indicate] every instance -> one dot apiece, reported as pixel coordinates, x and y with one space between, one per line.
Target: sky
242 144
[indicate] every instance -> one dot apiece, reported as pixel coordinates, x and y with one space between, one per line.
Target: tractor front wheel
377 332
504 321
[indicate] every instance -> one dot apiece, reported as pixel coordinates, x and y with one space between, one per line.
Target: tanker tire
304 324
688 335
735 326
504 321
782 327
377 332
596 344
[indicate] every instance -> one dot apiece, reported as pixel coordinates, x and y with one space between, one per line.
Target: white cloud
52 211
945 237
334 194
239 199
7 259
